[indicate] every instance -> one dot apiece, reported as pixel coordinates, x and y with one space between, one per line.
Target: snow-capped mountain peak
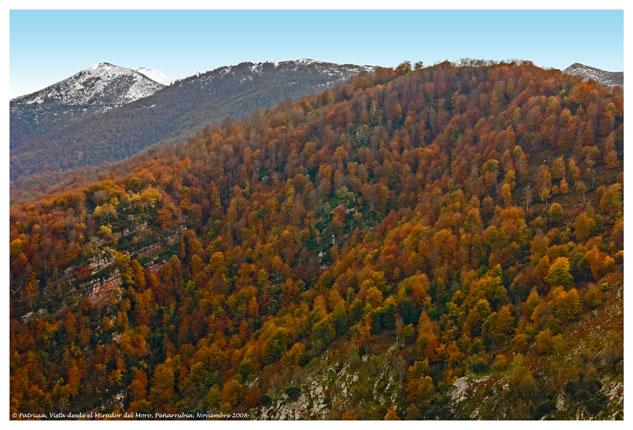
103 84
94 90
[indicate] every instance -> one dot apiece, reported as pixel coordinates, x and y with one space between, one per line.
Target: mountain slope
96 89
175 112
409 244
601 76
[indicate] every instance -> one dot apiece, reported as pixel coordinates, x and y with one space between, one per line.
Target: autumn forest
441 242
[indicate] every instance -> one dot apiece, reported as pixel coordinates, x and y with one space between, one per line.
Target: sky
48 46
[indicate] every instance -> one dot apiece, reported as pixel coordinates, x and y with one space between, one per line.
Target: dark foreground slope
442 243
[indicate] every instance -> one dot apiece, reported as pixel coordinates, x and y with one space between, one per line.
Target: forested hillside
445 242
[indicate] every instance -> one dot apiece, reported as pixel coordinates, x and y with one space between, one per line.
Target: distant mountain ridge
601 76
172 112
96 89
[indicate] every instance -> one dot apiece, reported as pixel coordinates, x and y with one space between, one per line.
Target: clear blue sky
47 46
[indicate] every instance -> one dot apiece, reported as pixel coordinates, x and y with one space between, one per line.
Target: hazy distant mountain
174 112
96 89
601 76
156 75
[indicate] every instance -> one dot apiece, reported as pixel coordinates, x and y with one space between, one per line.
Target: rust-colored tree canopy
458 226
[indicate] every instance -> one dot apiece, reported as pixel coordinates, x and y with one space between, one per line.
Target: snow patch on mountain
601 76
156 75
337 72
